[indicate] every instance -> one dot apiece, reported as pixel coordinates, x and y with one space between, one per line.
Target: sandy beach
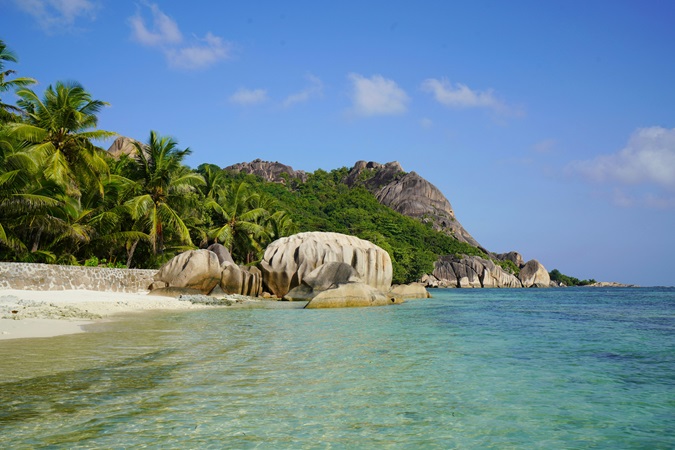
29 313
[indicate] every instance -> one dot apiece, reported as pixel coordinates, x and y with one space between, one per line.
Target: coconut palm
163 188
61 125
7 111
238 218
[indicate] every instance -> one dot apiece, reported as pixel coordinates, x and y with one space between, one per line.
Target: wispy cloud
647 162
58 15
248 97
163 30
461 96
377 95
163 33
314 90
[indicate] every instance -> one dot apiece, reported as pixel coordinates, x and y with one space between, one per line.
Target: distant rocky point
268 171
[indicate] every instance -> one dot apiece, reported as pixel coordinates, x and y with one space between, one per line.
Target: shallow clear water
548 368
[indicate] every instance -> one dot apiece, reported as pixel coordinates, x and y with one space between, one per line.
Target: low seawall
51 277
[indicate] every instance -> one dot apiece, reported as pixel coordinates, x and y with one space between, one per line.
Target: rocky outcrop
534 274
612 284
123 146
194 269
351 295
268 171
288 261
515 257
470 271
206 272
409 291
410 195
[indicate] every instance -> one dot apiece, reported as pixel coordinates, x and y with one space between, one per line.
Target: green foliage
508 266
567 280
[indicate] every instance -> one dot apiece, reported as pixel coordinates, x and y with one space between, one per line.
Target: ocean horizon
468 368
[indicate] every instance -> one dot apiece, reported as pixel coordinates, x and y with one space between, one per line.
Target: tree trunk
36 241
130 253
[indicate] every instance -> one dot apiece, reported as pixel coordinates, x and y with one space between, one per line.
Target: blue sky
550 126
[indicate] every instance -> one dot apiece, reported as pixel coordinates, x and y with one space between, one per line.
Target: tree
7 111
61 126
162 188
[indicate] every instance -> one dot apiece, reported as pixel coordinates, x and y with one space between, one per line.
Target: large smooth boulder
287 261
351 295
240 280
409 291
534 274
221 252
194 269
327 276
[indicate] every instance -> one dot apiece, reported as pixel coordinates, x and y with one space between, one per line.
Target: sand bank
27 313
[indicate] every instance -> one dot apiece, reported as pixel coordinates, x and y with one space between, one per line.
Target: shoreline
38 314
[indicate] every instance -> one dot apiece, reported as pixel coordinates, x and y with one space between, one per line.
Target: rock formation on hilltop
123 146
268 171
410 195
413 196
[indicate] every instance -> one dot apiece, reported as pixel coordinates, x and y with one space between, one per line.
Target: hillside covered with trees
65 200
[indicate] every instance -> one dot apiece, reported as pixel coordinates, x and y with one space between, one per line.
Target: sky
549 126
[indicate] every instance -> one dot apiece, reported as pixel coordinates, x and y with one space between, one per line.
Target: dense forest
65 200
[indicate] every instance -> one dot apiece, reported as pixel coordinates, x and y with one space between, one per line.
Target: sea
561 368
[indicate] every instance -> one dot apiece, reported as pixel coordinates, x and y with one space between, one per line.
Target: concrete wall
47 277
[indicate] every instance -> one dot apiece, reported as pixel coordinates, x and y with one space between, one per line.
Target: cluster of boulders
206 271
476 272
327 270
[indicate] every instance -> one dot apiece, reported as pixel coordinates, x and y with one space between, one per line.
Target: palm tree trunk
36 241
130 253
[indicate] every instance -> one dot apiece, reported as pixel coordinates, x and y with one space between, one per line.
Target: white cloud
377 96
247 97
164 29
315 89
58 15
166 36
461 96
649 157
211 50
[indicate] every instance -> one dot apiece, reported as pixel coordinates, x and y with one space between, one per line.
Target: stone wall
49 277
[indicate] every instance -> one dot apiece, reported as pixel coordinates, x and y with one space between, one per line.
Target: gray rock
287 261
240 280
123 146
351 295
221 252
409 291
195 269
268 171
534 274
472 272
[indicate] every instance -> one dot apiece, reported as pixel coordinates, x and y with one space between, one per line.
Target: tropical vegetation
63 199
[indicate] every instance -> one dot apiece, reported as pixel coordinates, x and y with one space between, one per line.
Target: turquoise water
547 368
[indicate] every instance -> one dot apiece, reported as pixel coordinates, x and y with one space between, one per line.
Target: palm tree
239 221
62 125
162 187
7 111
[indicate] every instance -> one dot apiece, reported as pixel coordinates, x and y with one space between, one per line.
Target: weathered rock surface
240 280
221 252
471 272
123 146
195 269
351 295
269 171
287 261
410 195
534 274
515 257
326 276
409 291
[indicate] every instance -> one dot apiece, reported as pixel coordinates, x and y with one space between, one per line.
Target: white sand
25 313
